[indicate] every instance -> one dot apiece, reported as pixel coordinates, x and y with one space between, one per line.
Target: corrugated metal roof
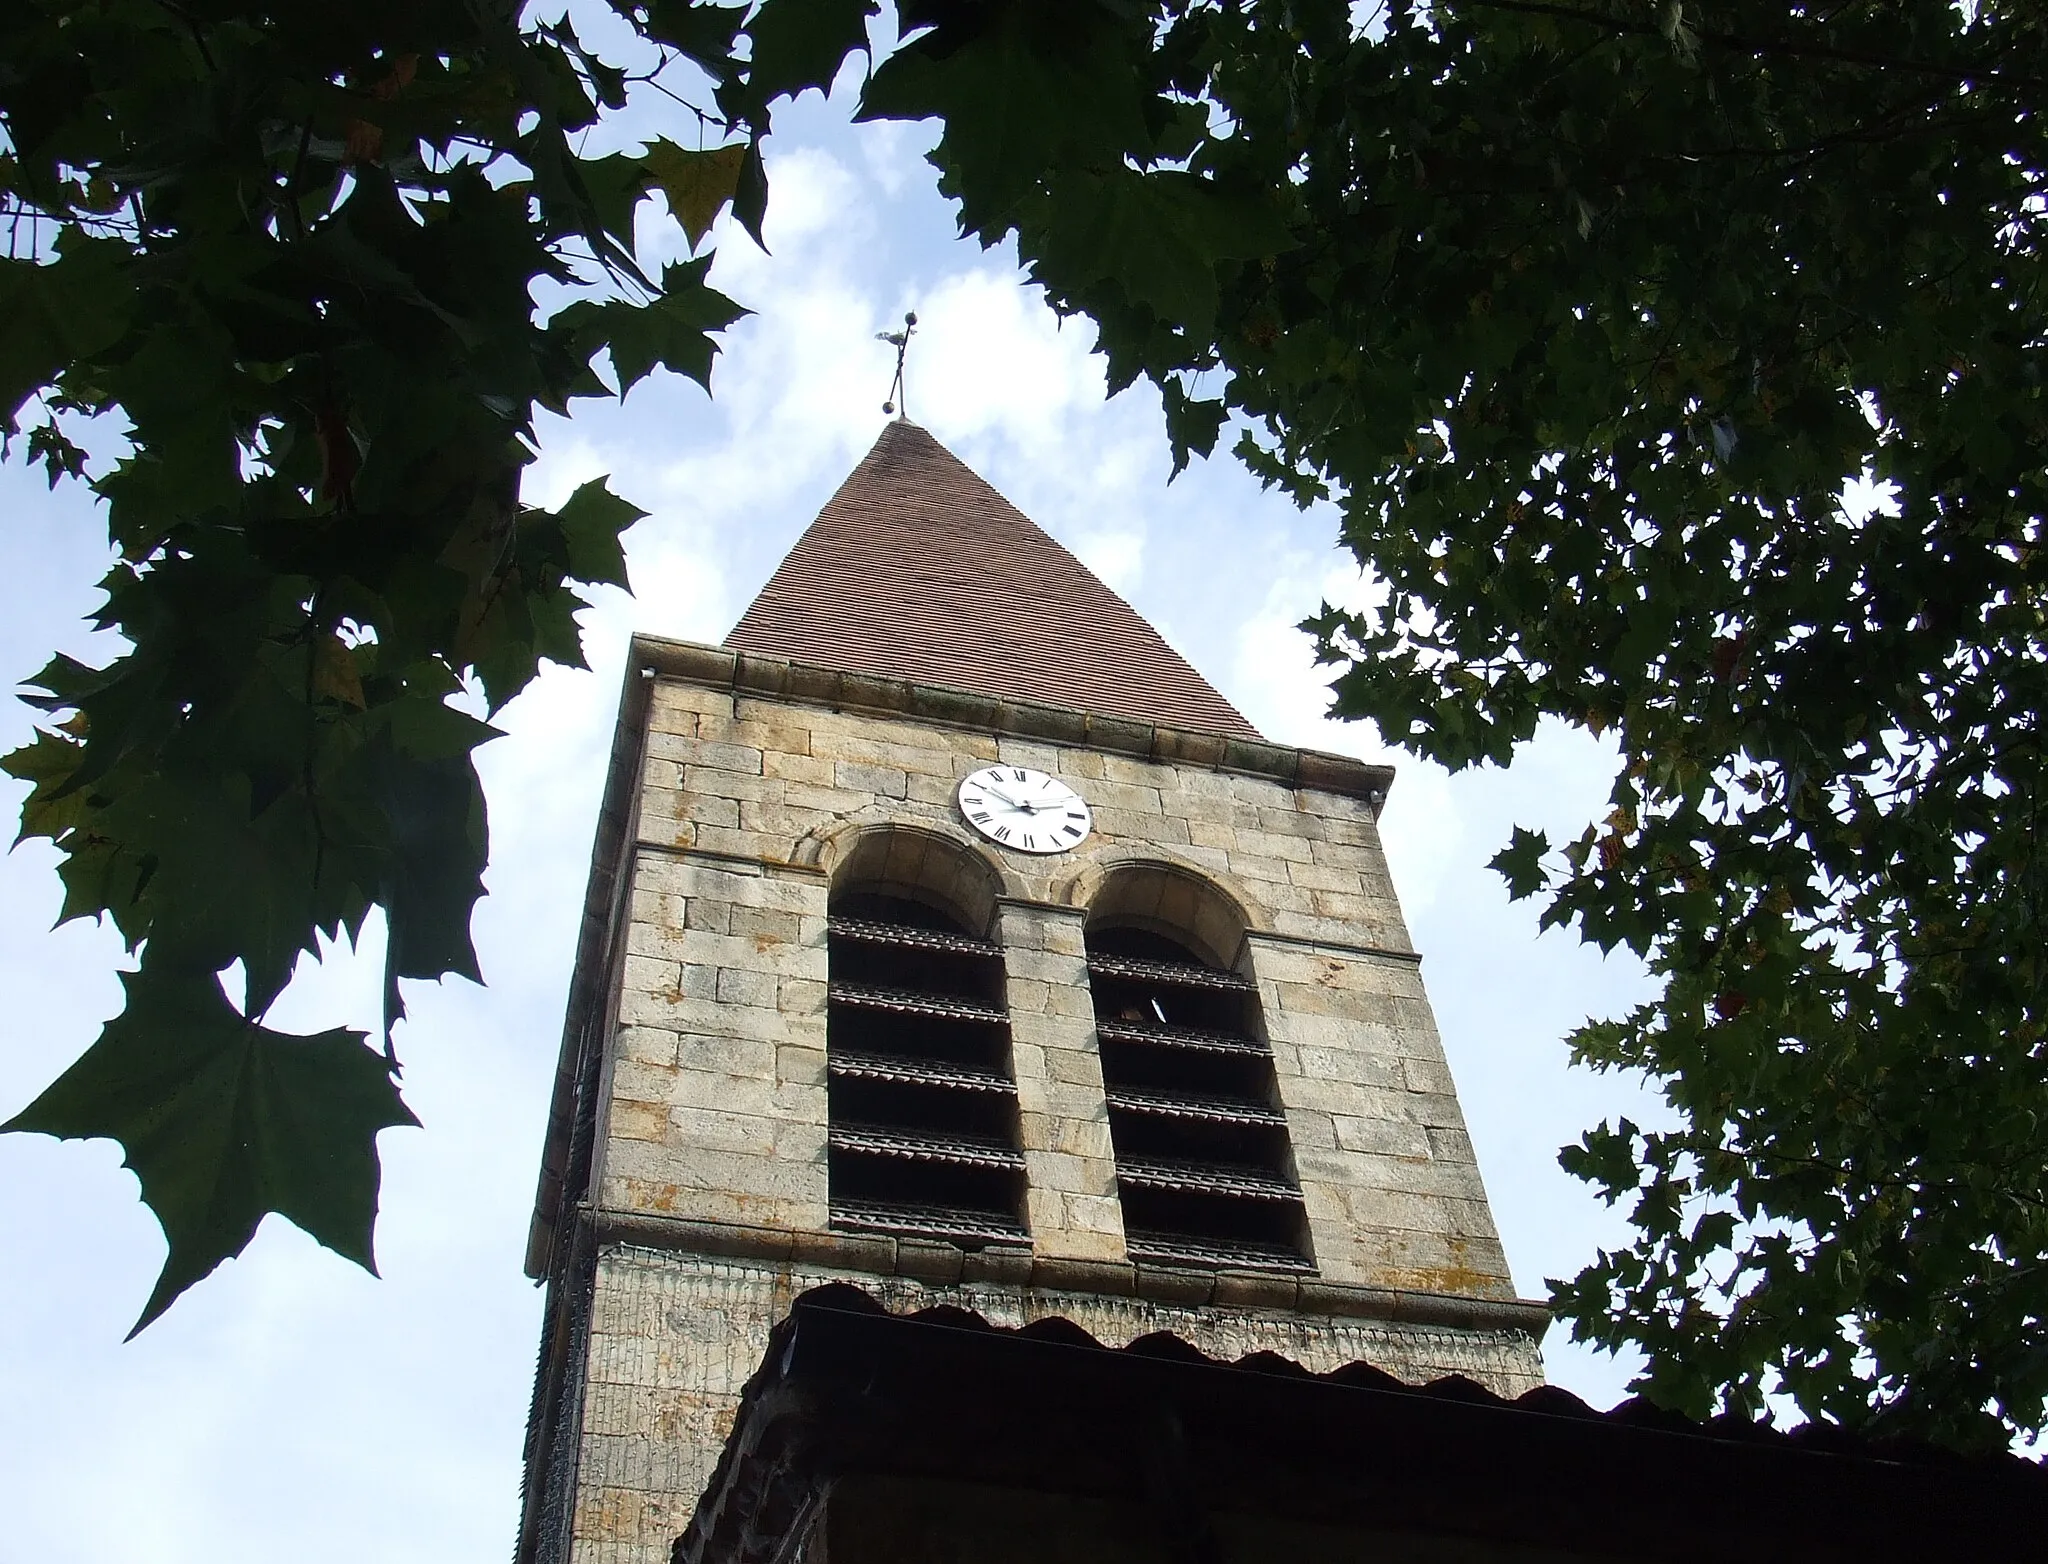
917 569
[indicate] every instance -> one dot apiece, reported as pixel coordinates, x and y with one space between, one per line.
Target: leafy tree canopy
1594 318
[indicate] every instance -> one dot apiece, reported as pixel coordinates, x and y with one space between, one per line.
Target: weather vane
900 341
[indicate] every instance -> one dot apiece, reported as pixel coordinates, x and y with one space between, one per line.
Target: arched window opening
923 1128
1204 1170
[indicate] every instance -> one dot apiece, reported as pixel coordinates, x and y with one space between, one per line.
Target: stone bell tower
949 936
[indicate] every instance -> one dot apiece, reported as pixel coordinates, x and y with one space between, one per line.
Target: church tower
950 937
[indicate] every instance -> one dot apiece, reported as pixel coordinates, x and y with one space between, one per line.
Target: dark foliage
1587 315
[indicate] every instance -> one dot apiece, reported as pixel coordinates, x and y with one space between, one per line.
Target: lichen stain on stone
1456 1277
1464 1280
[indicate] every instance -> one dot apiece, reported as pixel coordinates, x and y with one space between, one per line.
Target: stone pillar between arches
1063 1116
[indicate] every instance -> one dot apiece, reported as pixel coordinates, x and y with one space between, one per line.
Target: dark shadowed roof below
917 569
1259 1461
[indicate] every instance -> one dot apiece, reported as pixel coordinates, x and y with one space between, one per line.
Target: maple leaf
697 185
224 1121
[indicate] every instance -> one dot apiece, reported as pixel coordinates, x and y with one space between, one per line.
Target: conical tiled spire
916 569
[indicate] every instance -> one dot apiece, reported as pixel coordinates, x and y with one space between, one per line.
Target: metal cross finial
900 341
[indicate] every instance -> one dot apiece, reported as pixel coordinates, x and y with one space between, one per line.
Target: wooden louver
1202 1159
923 1132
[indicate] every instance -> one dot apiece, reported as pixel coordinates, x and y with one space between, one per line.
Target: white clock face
1014 806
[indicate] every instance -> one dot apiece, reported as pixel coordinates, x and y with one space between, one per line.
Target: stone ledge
713 859
718 668
927 1260
1330 947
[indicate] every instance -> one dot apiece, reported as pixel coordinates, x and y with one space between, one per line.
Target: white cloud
1117 556
989 356
562 467
812 196
893 153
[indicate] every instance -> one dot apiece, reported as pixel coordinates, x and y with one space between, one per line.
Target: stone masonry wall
675 1337
717 1102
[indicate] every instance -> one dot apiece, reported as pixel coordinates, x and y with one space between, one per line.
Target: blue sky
292 1405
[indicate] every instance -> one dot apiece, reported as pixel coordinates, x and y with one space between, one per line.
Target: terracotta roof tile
917 569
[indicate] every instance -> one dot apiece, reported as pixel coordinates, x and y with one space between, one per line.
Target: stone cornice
946 1264
775 679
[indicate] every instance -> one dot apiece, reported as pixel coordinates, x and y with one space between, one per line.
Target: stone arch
921 863
923 1137
1163 897
1205 1164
